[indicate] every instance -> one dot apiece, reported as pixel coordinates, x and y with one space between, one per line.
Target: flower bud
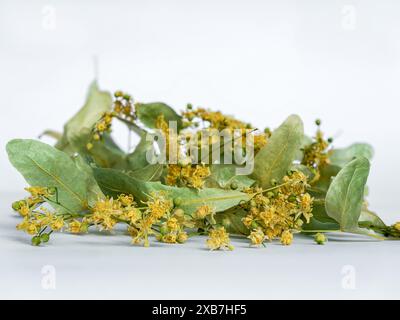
254 225
164 229
45 237
179 213
17 205
320 238
234 185
36 241
178 202
270 194
118 94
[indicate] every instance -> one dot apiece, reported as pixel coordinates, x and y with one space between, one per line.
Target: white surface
99 266
259 60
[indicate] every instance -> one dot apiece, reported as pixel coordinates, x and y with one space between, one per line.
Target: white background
258 60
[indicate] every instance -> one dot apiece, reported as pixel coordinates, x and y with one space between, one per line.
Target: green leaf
340 157
305 142
137 159
316 226
152 172
224 176
106 153
78 131
232 221
275 159
149 112
303 169
370 219
345 196
45 166
114 182
320 221
81 125
327 173
94 192
320 214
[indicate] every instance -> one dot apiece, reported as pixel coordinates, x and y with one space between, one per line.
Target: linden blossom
201 182
164 310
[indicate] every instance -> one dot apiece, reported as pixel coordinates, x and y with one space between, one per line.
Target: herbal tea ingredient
299 184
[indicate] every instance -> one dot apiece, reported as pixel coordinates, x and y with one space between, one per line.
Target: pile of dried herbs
270 184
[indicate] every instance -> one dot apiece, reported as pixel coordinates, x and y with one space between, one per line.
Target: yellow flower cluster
216 119
257 237
204 217
220 122
393 230
203 211
219 239
191 175
106 213
317 153
77 226
260 141
122 107
101 127
37 192
39 220
276 213
172 229
38 196
158 206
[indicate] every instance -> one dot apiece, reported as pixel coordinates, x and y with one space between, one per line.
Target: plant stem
318 231
133 126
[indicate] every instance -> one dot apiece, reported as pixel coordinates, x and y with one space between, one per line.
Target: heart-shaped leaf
149 112
45 166
345 196
78 130
275 159
340 157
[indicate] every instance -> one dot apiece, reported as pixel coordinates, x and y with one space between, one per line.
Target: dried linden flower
219 239
286 238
